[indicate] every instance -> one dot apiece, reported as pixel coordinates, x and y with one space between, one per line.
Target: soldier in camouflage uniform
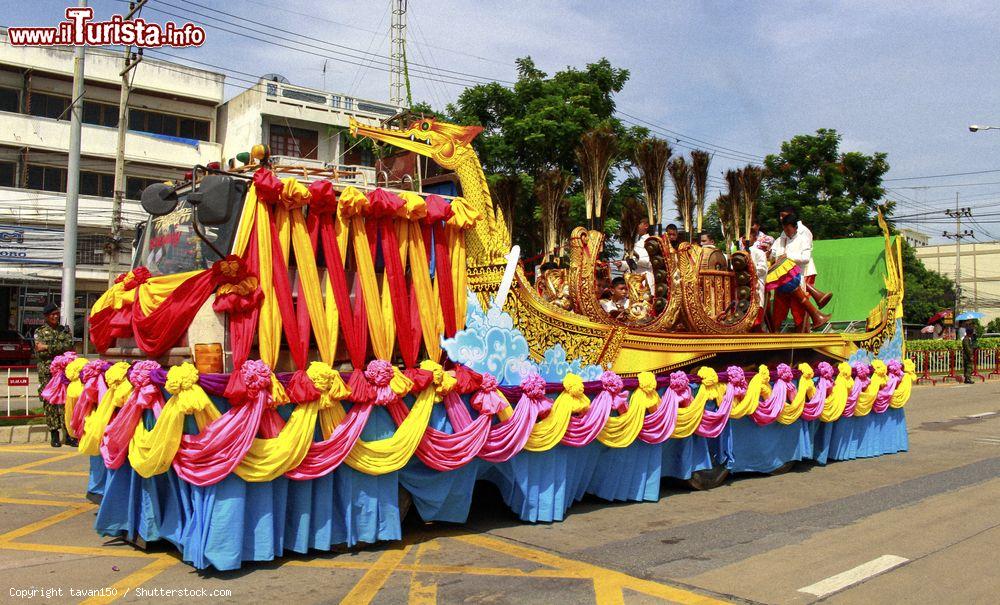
52 339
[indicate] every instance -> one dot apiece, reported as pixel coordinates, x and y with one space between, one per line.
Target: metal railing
933 366
18 391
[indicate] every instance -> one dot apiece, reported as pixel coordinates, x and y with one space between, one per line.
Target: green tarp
854 270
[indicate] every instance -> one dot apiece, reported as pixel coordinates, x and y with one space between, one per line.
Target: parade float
297 354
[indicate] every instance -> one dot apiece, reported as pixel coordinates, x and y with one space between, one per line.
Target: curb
25 433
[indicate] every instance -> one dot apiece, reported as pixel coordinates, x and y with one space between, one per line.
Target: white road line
983 415
853 576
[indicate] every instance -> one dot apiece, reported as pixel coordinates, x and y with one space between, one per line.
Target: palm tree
680 172
597 150
550 190
699 176
651 156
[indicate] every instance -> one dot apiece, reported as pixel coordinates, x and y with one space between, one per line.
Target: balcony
288 100
47 134
48 209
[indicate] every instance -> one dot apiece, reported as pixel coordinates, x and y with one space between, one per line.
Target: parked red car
15 350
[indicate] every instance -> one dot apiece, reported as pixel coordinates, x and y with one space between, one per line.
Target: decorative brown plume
750 179
550 190
633 213
680 172
733 199
699 177
505 191
596 152
651 156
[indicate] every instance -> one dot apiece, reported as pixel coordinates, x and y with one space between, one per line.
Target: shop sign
30 245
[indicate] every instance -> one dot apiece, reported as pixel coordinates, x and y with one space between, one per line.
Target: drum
784 277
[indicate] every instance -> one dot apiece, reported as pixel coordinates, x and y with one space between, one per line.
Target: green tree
536 125
994 326
927 292
836 193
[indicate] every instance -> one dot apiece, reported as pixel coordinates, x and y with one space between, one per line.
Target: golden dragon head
447 144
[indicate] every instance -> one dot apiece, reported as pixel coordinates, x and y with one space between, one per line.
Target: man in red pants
795 244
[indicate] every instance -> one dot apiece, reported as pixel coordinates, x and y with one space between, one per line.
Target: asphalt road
917 527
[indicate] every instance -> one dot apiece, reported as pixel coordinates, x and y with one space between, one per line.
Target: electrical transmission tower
958 236
399 78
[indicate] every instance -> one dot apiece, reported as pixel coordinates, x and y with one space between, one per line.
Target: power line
749 156
941 176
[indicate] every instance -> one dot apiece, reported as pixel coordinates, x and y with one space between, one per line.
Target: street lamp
976 127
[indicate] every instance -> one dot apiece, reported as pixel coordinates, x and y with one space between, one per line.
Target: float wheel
708 478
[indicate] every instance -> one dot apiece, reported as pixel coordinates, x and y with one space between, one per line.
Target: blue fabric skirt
223 525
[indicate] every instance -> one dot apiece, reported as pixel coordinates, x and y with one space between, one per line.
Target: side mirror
159 199
216 198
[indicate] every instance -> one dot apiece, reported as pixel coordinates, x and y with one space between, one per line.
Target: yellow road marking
36 502
66 549
77 509
30 465
599 574
25 450
131 581
420 593
607 592
51 473
446 569
376 576
40 492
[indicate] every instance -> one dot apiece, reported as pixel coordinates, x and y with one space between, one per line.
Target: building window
47 178
47 106
97 184
100 114
135 185
167 124
9 100
7 172
293 142
335 101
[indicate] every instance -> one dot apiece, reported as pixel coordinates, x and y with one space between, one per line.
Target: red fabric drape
438 212
157 332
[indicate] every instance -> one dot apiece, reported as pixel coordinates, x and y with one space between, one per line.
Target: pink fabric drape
659 424
782 392
584 428
210 456
94 387
862 377
145 395
55 390
507 438
325 456
713 421
813 408
884 397
448 451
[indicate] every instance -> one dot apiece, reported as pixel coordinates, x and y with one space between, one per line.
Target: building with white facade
298 122
915 238
173 125
979 273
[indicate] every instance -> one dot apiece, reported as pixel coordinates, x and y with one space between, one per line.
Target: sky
736 78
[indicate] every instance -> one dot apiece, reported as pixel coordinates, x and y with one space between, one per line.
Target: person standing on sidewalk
967 353
52 339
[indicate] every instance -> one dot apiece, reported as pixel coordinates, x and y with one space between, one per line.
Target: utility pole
68 305
958 235
398 77
114 246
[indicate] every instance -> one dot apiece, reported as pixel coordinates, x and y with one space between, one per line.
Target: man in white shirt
796 246
808 272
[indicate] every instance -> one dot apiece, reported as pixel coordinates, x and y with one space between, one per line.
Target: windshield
170 245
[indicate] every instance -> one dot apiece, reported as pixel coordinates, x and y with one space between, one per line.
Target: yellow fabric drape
247 218
902 393
806 389
352 204
465 216
305 259
621 431
268 459
689 418
867 397
428 305
835 403
391 454
156 289
269 321
547 432
73 391
758 388
151 452
118 391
